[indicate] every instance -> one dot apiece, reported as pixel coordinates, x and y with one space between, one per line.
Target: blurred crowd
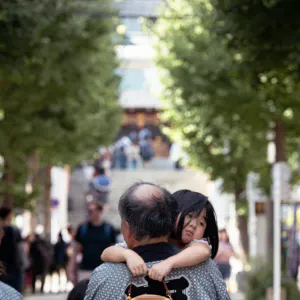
75 254
129 152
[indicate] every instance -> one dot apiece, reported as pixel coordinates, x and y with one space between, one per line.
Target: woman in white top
224 254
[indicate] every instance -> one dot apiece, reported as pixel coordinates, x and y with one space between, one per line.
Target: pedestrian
148 215
60 255
11 254
100 186
72 263
41 254
144 134
6 291
133 154
195 233
123 160
224 254
92 238
28 273
78 292
146 151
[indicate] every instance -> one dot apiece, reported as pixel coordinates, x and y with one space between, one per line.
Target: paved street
64 297
47 297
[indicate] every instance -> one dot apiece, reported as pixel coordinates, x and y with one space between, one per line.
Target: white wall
59 191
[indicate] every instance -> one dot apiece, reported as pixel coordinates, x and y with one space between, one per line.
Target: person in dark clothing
92 238
41 254
60 255
123 158
9 250
148 214
78 292
6 291
100 186
147 151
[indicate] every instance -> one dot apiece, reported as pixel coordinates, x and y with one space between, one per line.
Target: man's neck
6 223
150 242
176 243
96 222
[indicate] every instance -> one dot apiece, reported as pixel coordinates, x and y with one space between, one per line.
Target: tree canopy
224 94
58 86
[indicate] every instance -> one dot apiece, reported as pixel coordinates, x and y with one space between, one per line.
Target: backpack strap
107 230
83 230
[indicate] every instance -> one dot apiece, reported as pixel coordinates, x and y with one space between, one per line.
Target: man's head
6 215
100 171
95 210
148 212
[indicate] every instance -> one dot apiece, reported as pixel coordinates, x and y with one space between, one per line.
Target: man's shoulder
112 270
9 229
12 232
81 225
103 179
108 281
206 266
207 269
202 281
107 224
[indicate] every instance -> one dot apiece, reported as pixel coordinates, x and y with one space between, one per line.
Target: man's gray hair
150 210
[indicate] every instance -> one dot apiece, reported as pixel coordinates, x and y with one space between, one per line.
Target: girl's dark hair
193 203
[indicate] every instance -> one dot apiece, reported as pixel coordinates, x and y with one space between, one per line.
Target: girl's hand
160 271
135 264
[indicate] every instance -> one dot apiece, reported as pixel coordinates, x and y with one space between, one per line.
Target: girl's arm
118 254
195 254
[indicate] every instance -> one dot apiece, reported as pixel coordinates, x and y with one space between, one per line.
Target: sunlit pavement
47 297
64 297
56 288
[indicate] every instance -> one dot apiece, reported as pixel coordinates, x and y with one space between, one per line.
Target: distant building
139 77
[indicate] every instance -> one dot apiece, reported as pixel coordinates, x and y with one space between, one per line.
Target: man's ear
128 236
126 230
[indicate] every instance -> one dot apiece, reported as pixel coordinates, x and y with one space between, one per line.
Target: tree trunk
8 200
35 182
279 140
242 222
244 234
47 204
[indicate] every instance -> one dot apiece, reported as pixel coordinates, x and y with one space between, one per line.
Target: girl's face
194 227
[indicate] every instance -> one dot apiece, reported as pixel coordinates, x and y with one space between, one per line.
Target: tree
58 86
265 33
211 105
231 79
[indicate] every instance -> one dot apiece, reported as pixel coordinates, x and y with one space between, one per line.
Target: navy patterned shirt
112 281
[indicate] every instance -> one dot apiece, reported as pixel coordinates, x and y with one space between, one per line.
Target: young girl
195 232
